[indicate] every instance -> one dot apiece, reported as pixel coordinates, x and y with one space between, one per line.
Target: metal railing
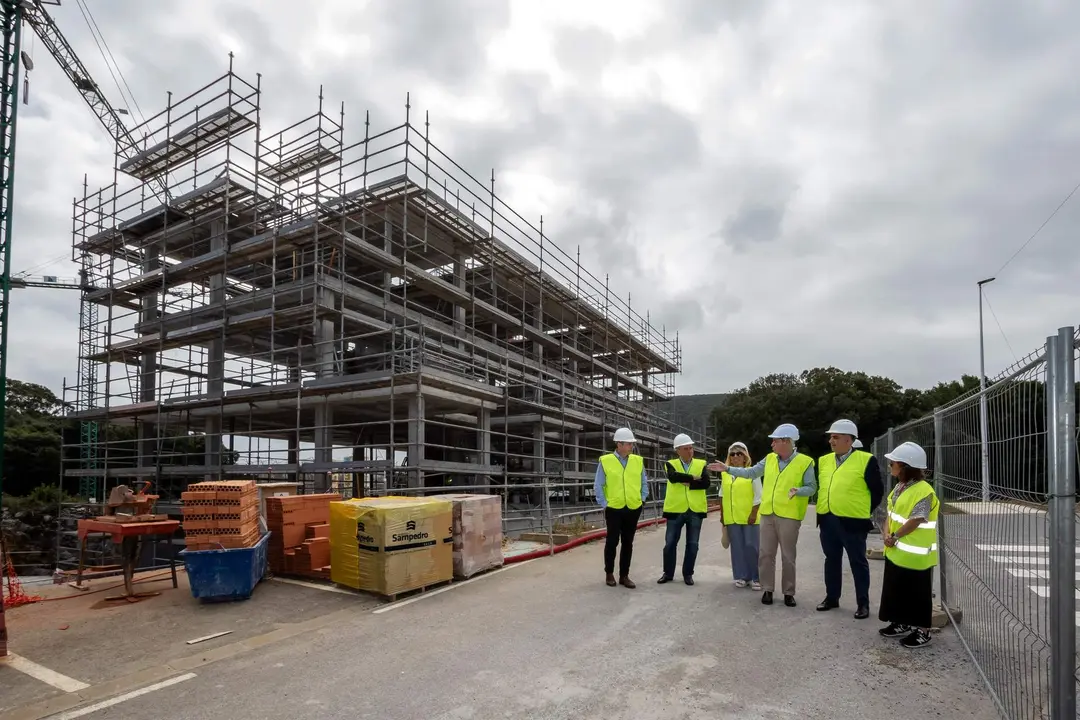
1007 529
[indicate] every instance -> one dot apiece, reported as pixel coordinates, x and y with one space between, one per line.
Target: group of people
762 509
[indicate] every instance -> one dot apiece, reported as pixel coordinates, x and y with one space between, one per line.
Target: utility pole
984 425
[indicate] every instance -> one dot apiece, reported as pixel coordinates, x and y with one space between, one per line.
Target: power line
1000 329
1044 223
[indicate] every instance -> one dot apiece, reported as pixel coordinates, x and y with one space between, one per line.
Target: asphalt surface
547 639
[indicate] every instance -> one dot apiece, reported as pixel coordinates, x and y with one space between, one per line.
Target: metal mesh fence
1006 531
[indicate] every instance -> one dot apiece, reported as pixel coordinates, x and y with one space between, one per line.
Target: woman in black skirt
910 534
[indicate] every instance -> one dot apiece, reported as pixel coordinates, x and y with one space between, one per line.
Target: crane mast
33 12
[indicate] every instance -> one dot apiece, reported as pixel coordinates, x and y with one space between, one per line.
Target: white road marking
1044 590
317 586
1015 548
44 674
80 712
446 588
1023 560
1037 574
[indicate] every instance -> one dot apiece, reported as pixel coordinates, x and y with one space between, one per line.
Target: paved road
548 639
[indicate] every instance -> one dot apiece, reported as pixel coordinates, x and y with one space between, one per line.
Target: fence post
1061 451
939 469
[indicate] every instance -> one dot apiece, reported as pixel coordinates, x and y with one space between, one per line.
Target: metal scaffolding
363 316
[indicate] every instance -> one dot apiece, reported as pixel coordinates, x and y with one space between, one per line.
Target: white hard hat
787 430
682 439
624 435
843 427
738 444
857 444
910 454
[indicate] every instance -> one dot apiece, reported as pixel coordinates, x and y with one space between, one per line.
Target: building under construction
365 316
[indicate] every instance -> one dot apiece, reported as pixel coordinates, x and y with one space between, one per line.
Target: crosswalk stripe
1044 590
1037 574
1025 560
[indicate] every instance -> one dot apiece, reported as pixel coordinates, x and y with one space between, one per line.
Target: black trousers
836 540
621 527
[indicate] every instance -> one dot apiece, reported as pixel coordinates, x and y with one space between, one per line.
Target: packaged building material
299 534
221 514
478 533
389 545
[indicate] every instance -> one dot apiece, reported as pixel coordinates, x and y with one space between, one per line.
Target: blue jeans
671 542
745 541
836 540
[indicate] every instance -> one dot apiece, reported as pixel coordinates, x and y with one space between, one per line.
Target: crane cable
110 60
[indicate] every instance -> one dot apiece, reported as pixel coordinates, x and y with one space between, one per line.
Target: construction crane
33 13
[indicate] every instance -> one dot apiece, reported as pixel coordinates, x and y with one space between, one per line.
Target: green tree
812 400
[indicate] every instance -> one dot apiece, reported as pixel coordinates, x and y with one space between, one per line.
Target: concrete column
388 233
459 281
539 462
483 444
148 313
416 440
572 463
358 455
324 416
215 359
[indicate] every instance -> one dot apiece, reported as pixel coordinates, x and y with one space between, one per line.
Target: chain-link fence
1007 526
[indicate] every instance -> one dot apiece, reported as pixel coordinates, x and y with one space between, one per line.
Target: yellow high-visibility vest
918 549
679 497
777 483
622 486
738 499
842 490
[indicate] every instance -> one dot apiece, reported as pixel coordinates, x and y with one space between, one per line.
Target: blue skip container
227 574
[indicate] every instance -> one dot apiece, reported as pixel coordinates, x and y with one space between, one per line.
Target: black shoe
664 579
610 580
689 580
894 630
766 598
827 604
917 639
862 613
789 600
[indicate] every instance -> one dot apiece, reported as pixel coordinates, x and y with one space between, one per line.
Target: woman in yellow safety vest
910 534
740 499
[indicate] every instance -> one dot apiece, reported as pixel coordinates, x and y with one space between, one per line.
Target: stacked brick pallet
221 515
299 528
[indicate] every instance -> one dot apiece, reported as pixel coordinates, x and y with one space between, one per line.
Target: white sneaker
755 585
740 583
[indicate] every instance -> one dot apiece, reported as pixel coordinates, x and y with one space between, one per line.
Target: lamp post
984 429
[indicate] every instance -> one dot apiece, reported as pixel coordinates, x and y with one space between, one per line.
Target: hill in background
692 411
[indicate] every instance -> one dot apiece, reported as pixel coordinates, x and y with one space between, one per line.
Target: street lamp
984 430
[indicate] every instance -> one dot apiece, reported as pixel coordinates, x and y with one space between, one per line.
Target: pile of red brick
299 528
221 514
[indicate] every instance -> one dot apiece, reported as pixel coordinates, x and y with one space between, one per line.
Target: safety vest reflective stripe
925 525
679 497
622 486
914 549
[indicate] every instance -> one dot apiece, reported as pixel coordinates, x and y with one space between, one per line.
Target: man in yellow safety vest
684 506
621 488
787 485
849 488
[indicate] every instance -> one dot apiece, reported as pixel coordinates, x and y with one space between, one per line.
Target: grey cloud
963 117
445 41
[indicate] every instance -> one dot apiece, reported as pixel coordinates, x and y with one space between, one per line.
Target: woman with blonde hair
740 498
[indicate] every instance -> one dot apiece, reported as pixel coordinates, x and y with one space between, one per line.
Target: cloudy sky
788 184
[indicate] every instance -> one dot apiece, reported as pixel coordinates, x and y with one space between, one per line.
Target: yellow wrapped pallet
389 545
